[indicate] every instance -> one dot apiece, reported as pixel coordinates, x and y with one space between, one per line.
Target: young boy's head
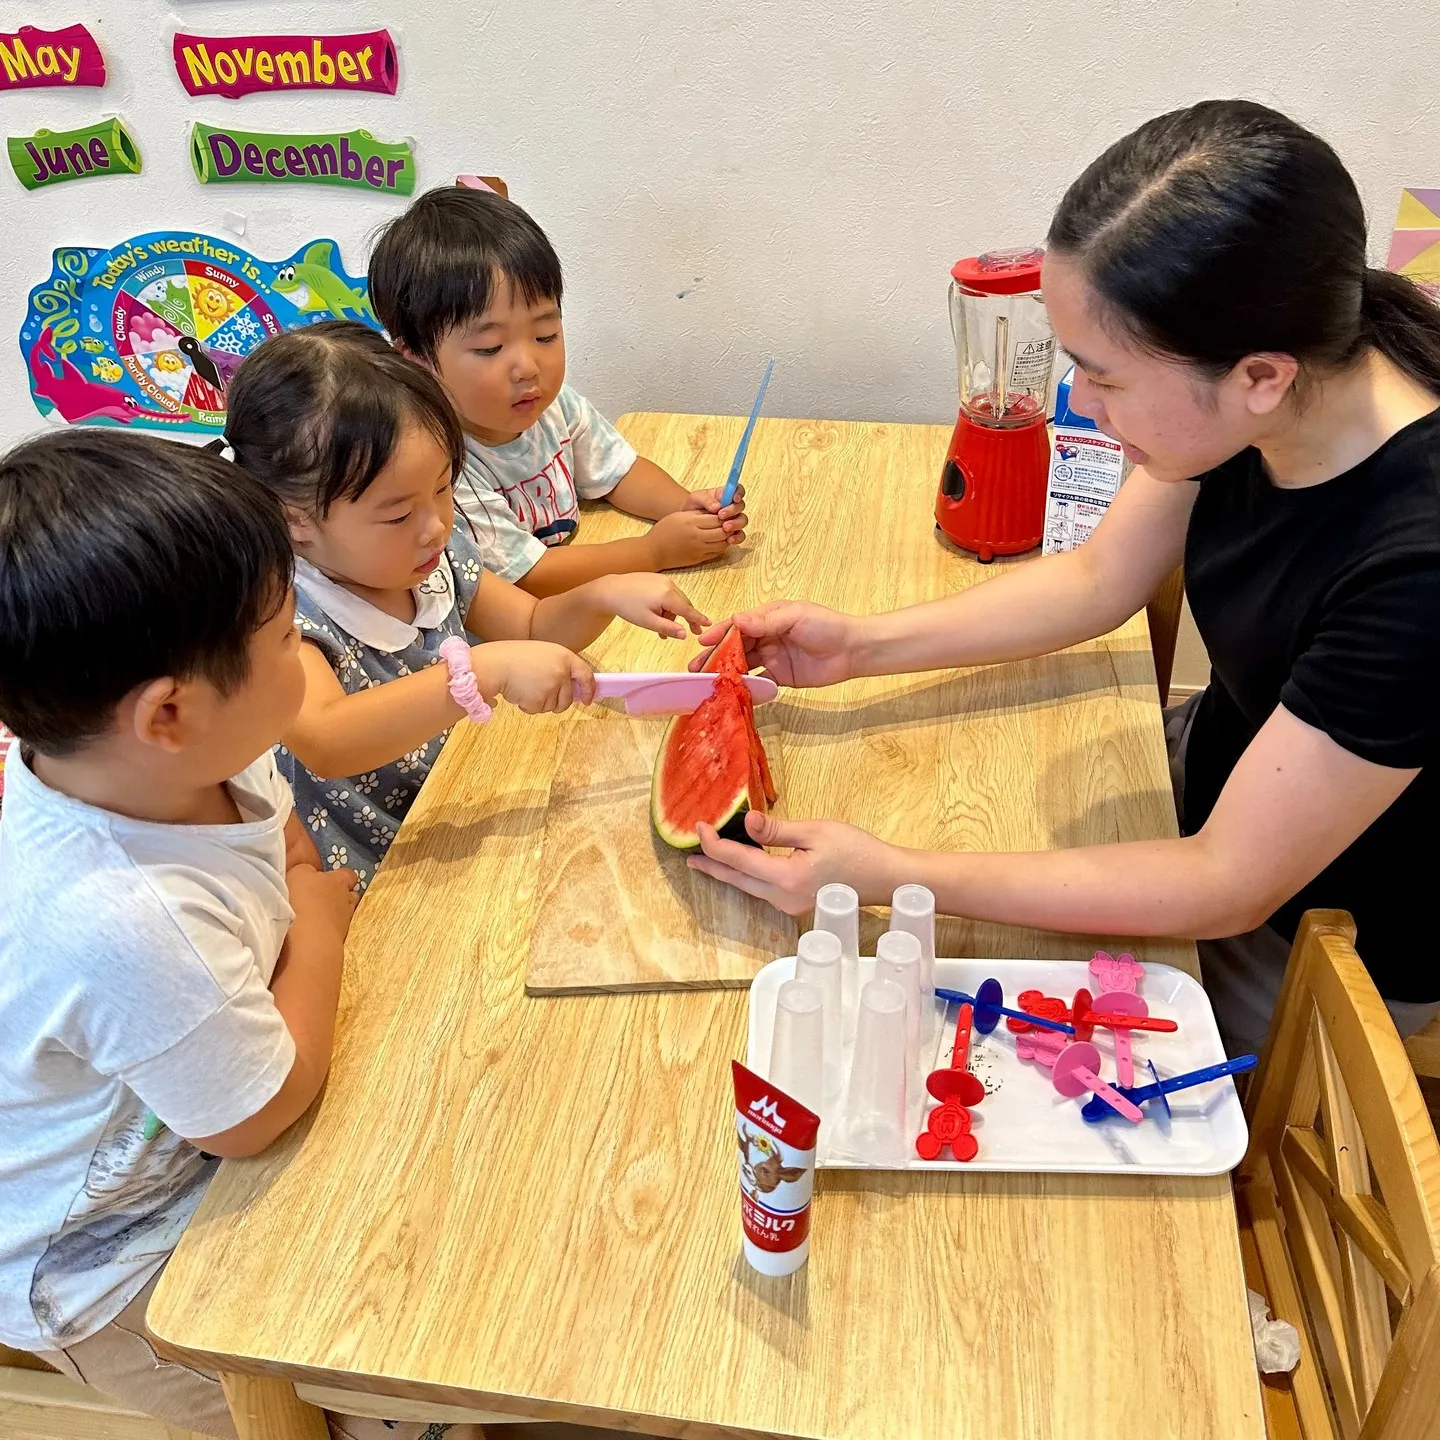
467 284
144 602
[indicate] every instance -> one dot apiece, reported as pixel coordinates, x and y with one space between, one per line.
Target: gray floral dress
354 820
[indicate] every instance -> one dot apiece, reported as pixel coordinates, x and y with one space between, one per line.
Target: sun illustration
212 302
170 361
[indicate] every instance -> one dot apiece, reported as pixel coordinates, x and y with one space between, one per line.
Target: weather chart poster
149 333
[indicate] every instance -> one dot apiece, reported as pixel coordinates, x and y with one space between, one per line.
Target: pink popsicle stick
1123 1002
1076 1071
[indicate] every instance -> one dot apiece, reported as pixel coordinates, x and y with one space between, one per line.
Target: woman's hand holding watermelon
797 643
822 852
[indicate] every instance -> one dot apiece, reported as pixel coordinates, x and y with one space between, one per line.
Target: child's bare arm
684 537
501 611
648 491
306 987
336 734
652 494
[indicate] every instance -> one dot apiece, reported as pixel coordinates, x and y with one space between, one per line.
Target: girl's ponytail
1401 321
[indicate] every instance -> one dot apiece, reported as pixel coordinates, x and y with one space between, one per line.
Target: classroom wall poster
68 58
1415 244
239 65
150 332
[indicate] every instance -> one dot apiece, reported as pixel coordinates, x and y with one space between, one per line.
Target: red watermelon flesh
728 657
711 765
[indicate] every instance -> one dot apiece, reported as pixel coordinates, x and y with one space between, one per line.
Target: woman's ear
1266 380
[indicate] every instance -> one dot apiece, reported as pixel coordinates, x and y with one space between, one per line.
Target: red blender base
992 489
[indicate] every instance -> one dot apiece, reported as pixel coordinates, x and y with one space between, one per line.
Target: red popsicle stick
955 1082
1084 1019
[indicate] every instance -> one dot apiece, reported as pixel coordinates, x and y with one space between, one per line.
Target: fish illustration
106 369
313 285
55 379
94 346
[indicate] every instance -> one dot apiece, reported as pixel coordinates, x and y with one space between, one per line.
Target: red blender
992 489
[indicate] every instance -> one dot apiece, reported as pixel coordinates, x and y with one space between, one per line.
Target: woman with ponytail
1279 401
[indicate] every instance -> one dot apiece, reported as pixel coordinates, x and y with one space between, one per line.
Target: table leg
266 1408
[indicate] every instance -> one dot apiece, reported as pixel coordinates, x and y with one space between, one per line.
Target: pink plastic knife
671 692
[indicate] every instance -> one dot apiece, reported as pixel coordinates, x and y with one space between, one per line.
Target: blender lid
1000 272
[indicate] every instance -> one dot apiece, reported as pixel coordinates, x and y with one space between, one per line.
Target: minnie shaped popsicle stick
1116 972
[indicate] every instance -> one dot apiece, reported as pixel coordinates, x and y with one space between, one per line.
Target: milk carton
1086 469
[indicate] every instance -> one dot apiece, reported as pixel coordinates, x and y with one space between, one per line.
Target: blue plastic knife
727 495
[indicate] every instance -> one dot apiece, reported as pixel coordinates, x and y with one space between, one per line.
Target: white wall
803 171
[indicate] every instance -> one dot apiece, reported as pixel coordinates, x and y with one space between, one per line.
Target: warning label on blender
1030 367
1086 469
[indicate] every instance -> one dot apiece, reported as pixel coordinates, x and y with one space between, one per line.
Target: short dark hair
124 558
315 414
436 266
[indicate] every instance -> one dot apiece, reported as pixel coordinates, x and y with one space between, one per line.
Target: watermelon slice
711 765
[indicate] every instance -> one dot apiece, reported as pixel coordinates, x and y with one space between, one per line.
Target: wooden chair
1423 1048
1163 613
1339 1195
36 1403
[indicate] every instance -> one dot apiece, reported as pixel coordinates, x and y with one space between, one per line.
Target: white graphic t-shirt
523 496
135 961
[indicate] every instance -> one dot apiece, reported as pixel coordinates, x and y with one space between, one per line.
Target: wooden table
529 1206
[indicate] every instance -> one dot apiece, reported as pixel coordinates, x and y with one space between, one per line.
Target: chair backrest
1163 613
1342 1183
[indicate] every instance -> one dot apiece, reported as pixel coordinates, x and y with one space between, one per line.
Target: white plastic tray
1023 1123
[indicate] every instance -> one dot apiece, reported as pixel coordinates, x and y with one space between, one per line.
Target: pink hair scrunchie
464 690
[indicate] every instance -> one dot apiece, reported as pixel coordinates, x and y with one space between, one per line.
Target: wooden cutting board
617 908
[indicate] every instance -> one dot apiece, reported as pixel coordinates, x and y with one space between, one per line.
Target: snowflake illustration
247 325
366 783
228 342
318 816
338 857
338 797
413 761
393 799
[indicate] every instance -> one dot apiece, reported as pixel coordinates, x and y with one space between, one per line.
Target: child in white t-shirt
170 947
469 285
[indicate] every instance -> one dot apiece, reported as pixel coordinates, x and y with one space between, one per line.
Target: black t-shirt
1327 600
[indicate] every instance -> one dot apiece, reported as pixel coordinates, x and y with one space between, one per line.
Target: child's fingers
582 683
679 604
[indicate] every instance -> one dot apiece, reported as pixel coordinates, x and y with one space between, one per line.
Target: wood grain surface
617 908
529 1205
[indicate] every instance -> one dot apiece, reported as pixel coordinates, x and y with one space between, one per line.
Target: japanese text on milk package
1086 470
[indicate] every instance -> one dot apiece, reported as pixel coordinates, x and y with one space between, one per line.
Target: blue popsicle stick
961 998
1097 1109
727 495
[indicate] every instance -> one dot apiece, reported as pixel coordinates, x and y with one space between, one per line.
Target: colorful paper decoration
49 157
30 58
356 160
1415 244
151 332
236 65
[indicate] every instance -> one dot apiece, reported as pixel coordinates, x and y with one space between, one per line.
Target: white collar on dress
370 625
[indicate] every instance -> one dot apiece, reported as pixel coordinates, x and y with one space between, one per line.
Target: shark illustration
313 285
